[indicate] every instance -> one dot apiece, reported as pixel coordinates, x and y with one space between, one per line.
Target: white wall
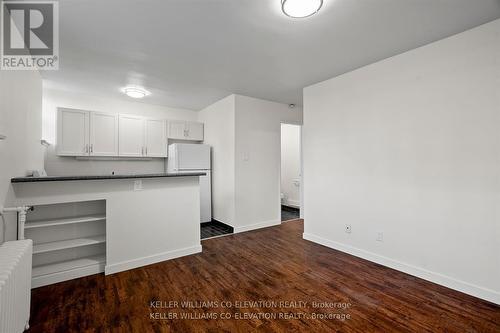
258 159
55 165
290 165
244 133
410 146
219 133
21 122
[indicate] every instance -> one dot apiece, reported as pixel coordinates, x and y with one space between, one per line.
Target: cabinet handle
86 148
91 148
146 151
142 151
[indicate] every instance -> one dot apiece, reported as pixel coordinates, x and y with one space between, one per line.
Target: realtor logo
29 35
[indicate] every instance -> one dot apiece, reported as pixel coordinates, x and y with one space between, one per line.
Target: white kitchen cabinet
132 136
103 134
83 133
177 129
195 131
156 138
185 130
72 132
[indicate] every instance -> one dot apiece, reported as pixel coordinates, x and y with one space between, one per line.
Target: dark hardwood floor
272 264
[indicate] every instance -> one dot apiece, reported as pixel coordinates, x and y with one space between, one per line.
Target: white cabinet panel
103 134
156 138
131 137
177 129
195 131
72 132
185 130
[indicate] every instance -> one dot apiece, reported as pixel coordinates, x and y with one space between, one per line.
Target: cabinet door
72 132
177 130
131 136
156 138
195 131
103 134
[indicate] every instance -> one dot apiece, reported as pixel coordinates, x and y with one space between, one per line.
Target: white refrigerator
190 157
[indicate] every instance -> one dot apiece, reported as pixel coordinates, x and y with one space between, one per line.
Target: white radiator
15 285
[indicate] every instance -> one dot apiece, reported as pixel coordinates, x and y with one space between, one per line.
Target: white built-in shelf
57 222
61 246
63 266
68 244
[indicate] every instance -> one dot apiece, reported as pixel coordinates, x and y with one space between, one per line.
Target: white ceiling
191 53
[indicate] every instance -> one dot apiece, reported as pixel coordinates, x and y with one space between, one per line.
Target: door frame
301 163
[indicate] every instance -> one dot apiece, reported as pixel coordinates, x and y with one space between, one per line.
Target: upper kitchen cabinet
177 129
194 131
156 138
86 133
132 136
185 130
142 137
73 132
103 134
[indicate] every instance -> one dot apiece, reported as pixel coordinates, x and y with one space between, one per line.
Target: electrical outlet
348 228
380 236
137 184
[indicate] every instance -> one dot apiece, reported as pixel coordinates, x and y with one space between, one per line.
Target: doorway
291 172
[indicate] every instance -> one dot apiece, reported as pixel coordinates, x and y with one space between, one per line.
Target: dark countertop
70 178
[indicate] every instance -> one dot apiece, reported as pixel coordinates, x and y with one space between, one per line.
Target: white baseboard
254 226
139 262
462 286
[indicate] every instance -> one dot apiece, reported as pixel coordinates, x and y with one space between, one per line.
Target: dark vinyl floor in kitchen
214 229
289 213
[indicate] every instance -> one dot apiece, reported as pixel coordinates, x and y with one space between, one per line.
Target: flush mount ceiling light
136 92
301 8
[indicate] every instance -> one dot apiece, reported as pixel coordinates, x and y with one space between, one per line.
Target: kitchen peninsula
84 225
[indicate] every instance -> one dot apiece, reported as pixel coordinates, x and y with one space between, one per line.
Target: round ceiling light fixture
136 92
300 8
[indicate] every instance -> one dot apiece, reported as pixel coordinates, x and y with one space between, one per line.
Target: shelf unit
56 222
67 270
68 241
68 265
68 244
